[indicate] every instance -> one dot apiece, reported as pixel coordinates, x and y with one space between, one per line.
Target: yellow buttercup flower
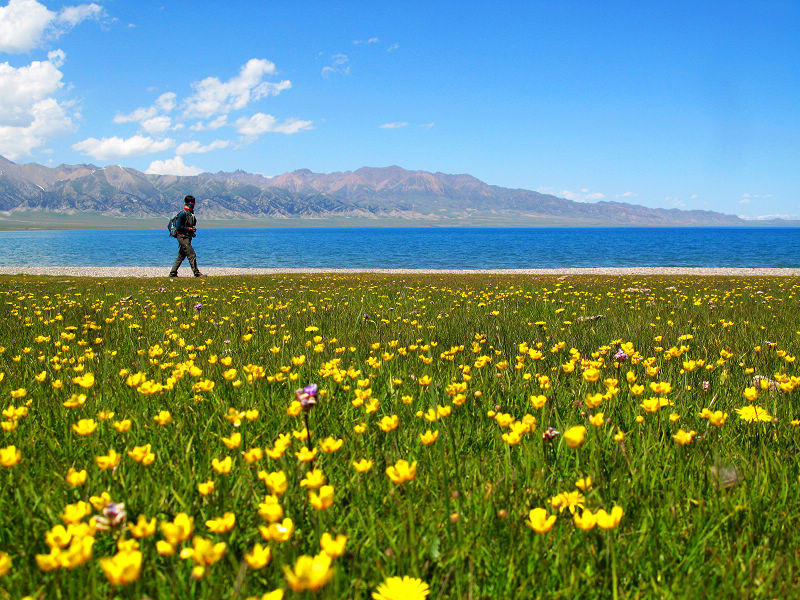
575 436
683 437
122 568
10 456
584 520
143 528
76 478
178 530
322 500
609 520
276 481
5 563
163 418
222 466
331 546
429 437
84 426
330 444
204 553
278 532
122 426
232 442
109 461
222 525
205 487
402 588
313 479
539 521
402 471
306 455
309 573
363 465
258 557
85 381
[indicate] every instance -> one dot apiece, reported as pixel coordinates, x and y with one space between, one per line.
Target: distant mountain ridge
378 194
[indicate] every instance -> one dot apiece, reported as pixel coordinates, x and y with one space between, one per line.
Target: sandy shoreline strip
161 272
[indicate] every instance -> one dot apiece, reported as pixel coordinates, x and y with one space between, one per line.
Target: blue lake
413 248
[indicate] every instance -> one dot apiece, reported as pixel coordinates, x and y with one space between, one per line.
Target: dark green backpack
172 226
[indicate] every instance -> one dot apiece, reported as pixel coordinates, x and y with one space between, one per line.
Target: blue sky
665 104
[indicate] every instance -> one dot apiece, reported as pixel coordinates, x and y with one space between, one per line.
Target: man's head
189 201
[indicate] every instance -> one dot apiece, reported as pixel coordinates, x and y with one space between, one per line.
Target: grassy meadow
377 436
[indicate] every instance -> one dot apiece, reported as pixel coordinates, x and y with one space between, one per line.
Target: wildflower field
377 436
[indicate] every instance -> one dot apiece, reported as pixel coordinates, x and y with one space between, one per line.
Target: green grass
718 516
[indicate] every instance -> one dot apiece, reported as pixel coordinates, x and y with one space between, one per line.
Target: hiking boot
198 274
173 274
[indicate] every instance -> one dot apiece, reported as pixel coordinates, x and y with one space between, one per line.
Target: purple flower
198 306
550 434
706 385
307 395
621 355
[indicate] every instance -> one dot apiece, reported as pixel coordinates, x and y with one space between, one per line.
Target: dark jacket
186 219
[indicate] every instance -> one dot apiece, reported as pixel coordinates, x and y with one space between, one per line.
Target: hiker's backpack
172 226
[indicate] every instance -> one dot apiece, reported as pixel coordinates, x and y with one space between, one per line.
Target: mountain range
389 195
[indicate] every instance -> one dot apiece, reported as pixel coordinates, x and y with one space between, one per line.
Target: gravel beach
161 272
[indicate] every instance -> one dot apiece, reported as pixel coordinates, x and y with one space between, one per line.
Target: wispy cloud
195 147
584 195
339 65
261 123
747 197
27 24
392 47
372 40
427 125
394 125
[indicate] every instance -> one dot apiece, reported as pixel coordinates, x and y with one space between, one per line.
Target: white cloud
197 148
166 102
426 125
627 195
393 47
117 147
220 121
26 24
583 196
394 125
29 115
214 97
372 40
261 123
48 119
157 124
172 166
339 64
21 88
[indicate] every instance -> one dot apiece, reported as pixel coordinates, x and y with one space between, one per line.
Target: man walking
186 230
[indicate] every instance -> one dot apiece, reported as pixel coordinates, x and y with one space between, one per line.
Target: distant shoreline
161 272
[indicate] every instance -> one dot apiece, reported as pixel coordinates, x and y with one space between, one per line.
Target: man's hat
188 200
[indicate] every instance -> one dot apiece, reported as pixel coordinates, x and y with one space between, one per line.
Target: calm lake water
415 248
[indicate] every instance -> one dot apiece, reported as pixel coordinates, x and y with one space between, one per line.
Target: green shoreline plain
585 436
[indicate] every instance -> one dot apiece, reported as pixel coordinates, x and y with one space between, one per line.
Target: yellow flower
278 532
609 520
19 393
567 500
164 548
179 530
306 455
718 418
10 456
122 568
539 521
363 465
122 426
232 442
204 553
389 423
222 466
309 573
74 401
424 381
99 502
276 481
333 547
313 479
402 588
331 444
85 381
259 557
163 418
253 455
683 437
143 528
205 487
429 437
323 500
270 510
5 563
84 426
584 483
222 525
585 520
142 454
591 375
751 394
597 419
753 413
402 472
575 436
76 478
74 513
107 462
